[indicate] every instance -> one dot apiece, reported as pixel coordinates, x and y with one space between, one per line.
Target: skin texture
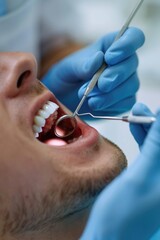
46 192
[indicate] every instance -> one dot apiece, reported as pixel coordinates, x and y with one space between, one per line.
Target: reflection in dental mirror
65 126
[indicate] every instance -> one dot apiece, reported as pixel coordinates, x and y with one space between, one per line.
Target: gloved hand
140 131
117 86
129 208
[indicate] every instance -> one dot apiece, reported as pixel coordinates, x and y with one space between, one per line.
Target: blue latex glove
140 131
117 86
129 208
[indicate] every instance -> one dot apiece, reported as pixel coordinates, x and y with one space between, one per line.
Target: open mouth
44 125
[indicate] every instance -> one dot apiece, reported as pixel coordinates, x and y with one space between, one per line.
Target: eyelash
22 77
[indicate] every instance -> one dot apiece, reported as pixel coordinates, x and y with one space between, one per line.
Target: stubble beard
77 191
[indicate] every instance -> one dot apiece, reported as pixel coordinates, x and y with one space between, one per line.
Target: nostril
22 77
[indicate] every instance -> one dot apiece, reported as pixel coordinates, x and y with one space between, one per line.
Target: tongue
55 142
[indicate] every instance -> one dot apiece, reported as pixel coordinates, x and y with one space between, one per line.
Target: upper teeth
44 113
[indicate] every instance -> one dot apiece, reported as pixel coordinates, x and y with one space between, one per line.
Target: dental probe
96 76
130 118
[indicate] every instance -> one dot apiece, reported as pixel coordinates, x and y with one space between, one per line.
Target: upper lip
40 101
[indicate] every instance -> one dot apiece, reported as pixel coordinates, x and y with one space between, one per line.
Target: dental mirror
65 126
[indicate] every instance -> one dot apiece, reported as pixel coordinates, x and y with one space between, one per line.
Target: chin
84 176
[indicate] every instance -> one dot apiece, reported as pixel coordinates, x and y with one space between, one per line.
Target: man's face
44 179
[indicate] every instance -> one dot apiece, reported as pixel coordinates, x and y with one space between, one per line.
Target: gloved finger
151 148
105 42
141 109
99 101
150 153
139 131
113 76
73 68
85 68
120 107
149 174
129 42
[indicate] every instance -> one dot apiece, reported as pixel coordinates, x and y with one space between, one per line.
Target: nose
18 71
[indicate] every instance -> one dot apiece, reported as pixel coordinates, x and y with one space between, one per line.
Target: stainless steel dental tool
130 118
66 124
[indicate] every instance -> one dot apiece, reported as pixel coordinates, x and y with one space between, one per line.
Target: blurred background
51 29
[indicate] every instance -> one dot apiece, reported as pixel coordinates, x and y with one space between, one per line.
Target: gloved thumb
139 131
151 146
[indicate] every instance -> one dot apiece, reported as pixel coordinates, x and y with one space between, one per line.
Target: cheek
23 171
